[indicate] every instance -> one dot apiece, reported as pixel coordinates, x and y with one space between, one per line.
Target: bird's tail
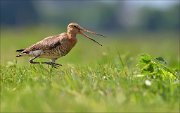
19 50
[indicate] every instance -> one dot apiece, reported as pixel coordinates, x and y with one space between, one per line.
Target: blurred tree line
105 16
154 19
18 13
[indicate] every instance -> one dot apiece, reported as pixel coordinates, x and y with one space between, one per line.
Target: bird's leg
32 62
54 64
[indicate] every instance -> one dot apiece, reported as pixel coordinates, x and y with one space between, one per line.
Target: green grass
92 78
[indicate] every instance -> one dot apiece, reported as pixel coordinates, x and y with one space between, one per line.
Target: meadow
131 72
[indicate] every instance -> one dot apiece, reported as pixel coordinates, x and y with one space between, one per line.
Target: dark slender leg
32 62
53 64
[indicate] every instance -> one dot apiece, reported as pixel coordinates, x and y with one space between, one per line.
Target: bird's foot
55 65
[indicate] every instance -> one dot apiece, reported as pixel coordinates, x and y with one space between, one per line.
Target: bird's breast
66 47
73 41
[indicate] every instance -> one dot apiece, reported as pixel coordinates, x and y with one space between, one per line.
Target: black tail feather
19 50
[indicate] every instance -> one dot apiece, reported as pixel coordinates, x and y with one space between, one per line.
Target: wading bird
54 47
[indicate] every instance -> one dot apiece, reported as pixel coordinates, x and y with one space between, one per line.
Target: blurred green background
102 15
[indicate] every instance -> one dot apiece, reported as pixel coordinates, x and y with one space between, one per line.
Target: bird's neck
72 38
71 35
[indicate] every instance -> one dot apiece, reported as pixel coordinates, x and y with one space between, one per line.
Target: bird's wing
47 43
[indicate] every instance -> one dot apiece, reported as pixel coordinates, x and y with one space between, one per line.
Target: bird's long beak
81 32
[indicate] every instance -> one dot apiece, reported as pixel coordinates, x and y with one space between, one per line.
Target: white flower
148 82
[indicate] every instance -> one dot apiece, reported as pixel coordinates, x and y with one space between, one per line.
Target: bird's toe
55 65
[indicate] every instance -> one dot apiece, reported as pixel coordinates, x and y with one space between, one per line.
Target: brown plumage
54 47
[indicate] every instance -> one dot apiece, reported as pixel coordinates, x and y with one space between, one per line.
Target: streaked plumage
54 47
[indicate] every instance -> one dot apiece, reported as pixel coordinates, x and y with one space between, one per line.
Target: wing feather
47 43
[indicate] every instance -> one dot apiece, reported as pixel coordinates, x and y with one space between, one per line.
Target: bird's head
74 28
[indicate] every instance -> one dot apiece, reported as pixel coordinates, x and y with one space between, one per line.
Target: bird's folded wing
46 44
